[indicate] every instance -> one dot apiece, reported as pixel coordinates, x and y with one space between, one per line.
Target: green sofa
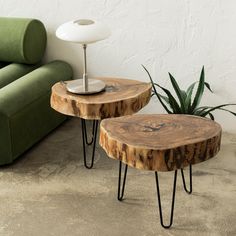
25 87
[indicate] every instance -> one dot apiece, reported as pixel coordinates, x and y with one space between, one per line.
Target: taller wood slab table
160 143
121 97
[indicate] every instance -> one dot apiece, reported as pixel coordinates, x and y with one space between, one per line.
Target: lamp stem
85 75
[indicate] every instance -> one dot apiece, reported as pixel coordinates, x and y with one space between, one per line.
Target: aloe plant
186 103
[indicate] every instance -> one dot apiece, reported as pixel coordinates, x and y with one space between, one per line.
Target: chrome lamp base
77 86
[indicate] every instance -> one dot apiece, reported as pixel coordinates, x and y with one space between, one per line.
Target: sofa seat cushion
13 72
32 86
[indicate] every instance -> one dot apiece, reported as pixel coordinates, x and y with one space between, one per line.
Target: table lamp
84 31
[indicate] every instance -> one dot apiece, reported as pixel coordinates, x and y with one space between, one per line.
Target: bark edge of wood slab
160 142
121 97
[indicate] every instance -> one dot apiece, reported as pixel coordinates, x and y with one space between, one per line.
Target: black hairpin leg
121 194
173 201
85 141
86 136
190 180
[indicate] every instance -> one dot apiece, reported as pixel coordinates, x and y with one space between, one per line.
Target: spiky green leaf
188 99
155 91
208 86
211 116
217 107
223 109
181 96
173 103
166 99
200 90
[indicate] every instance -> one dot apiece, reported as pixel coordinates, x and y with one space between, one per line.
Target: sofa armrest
32 86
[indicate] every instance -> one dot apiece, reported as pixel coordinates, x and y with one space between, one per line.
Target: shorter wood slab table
160 143
121 97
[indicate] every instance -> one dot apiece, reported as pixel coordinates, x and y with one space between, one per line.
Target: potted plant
186 103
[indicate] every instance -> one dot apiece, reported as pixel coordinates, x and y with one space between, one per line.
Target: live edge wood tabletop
121 97
160 142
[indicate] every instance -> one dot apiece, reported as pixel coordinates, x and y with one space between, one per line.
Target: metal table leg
190 180
120 194
89 143
173 201
121 189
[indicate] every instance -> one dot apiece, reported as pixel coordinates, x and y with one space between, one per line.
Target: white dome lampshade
84 31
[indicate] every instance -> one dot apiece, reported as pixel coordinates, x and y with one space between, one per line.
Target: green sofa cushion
15 96
22 40
25 112
14 71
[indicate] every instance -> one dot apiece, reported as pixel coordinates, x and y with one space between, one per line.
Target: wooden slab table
121 97
160 143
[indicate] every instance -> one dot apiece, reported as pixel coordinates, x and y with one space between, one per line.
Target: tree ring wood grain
121 97
160 142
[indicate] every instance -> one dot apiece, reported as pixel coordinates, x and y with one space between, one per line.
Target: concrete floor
49 192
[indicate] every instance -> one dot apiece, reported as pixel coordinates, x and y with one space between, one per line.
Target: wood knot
152 127
111 88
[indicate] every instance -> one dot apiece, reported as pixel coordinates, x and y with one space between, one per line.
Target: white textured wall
178 36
